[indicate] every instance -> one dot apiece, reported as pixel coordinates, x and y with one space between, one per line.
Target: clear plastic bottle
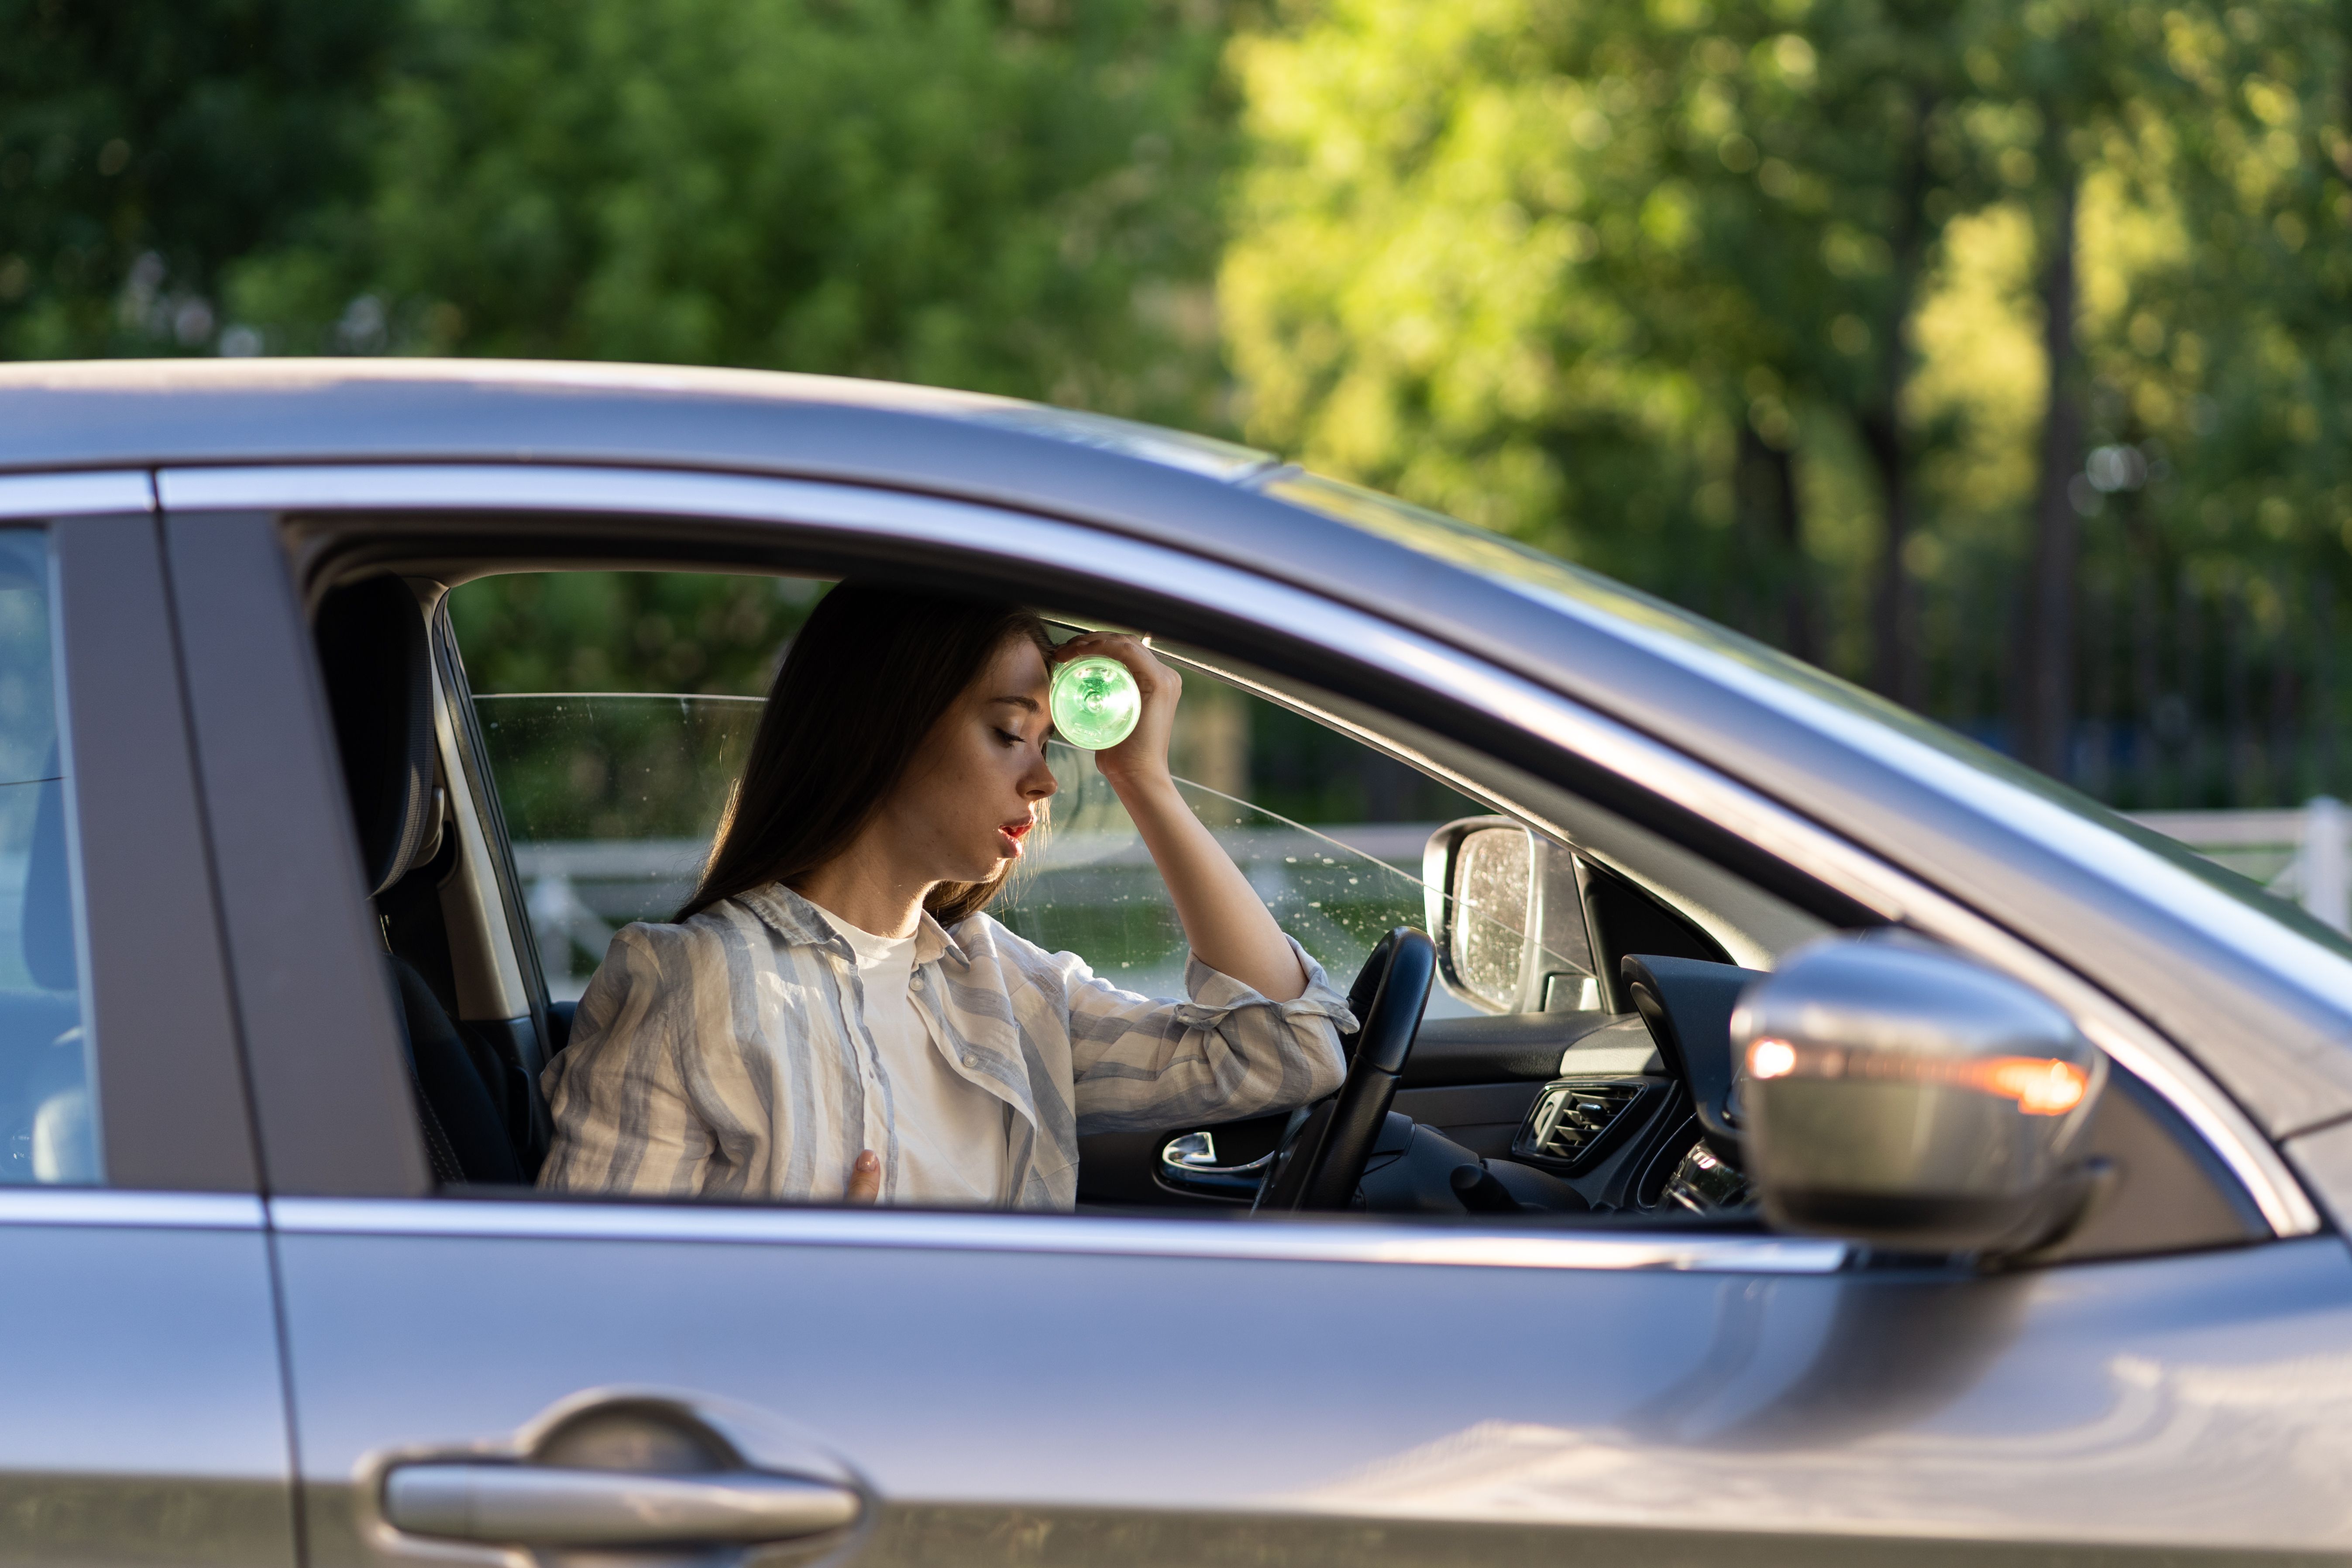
1095 703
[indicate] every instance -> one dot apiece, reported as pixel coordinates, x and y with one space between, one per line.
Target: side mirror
1901 1095
1504 910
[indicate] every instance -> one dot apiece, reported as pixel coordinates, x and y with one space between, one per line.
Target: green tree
1016 199
1904 296
146 146
923 190
708 633
1583 271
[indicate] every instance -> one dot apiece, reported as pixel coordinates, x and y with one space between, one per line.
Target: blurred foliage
1013 199
615 767
1301 770
1573 270
1517 259
146 145
706 633
569 767
1746 304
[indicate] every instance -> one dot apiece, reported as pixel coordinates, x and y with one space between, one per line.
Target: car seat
480 1114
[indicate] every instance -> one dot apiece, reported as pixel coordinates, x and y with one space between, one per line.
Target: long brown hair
865 681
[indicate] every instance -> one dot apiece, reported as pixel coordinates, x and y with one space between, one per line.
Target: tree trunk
1894 633
1894 617
2048 683
1771 518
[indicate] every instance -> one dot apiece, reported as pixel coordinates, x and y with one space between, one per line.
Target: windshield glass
2232 907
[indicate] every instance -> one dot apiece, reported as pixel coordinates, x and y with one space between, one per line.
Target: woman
834 1016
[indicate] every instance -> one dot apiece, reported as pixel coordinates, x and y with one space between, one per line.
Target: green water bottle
1095 703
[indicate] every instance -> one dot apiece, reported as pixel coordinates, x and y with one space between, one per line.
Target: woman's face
969 800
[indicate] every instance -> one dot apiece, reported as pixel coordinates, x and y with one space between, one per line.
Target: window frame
167 1079
616 516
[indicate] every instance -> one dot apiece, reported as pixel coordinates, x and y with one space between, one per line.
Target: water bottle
1095 703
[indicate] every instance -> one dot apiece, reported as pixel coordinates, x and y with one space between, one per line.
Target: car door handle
530 1505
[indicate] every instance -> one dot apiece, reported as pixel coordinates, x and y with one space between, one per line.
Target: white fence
2300 855
579 893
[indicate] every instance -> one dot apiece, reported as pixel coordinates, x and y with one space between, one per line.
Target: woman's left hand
1142 757
1225 920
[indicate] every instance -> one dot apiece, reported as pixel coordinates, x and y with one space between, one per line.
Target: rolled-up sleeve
1225 1052
623 1120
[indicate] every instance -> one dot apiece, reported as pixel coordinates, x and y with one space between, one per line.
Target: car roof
2033 856
76 413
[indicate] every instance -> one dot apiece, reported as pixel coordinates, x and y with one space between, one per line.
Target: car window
611 798
48 1131
611 802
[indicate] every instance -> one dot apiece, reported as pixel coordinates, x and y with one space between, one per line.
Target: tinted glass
48 1130
611 802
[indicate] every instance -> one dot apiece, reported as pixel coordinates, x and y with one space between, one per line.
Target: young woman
835 1016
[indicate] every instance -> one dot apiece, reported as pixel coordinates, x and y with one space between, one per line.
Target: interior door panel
1471 1078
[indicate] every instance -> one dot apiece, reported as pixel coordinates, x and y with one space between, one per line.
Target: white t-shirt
952 1132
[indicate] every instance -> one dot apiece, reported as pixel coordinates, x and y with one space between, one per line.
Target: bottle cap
1095 703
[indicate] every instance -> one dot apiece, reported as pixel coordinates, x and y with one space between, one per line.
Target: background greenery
1995 354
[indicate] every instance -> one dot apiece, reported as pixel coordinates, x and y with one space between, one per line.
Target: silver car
1799 1135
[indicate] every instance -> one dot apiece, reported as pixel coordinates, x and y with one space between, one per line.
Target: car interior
1575 1068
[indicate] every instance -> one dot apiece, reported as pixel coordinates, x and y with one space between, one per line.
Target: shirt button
916 984
969 1060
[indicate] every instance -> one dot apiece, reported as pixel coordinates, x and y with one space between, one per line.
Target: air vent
1572 1122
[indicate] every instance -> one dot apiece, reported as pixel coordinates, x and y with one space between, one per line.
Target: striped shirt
720 1058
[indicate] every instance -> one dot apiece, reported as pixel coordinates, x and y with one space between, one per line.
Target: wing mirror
1503 907
1901 1095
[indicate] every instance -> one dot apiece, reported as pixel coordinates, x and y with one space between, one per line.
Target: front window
1575 1063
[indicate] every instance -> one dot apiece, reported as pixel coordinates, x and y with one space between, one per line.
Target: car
1823 1139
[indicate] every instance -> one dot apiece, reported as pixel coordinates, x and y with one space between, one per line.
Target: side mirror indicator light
2041 1086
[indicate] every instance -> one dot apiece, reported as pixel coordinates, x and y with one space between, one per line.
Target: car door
139 1364
484 1371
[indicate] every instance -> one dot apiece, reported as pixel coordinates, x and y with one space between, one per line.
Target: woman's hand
865 1178
1142 757
1225 920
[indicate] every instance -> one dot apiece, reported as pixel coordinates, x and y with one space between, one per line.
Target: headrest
374 652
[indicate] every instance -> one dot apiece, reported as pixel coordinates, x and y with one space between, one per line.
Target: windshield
2226 905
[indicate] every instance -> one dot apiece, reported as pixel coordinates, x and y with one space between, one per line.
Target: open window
518 800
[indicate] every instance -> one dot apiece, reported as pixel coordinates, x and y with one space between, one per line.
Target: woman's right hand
1141 759
865 1178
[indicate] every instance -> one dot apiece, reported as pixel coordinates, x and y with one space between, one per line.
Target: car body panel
172 1102
2151 1404
321 1038
909 530
2283 1047
139 1350
146 1419
1154 1390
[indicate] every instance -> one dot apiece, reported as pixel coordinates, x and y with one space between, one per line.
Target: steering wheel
1323 1161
